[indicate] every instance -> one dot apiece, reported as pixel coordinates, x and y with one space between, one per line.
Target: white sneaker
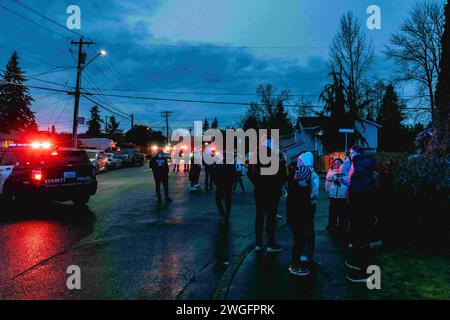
258 249
304 259
275 249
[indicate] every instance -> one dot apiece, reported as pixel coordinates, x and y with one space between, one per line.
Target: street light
101 53
80 67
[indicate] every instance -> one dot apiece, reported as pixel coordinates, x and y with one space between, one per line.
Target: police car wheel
7 195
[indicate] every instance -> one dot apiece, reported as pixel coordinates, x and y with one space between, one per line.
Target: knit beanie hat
302 174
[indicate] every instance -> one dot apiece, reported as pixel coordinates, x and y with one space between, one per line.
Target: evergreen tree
215 123
441 117
281 121
390 118
95 123
15 99
112 129
334 115
205 125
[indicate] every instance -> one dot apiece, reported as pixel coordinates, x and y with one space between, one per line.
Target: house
309 131
7 138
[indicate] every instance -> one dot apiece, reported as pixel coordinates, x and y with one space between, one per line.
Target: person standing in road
160 168
209 168
267 191
300 218
224 176
239 173
362 202
194 173
307 159
337 194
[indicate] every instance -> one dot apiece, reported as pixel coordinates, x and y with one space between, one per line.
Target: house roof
315 122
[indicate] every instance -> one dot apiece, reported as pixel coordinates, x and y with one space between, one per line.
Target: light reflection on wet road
126 245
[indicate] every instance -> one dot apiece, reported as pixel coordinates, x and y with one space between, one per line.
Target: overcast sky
186 46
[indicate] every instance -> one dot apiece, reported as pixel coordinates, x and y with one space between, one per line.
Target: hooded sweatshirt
362 178
307 159
159 164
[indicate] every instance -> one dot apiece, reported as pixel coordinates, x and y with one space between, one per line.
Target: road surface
126 245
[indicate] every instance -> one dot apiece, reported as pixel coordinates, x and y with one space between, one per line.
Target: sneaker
274 249
258 248
352 265
279 217
294 269
197 186
194 189
299 270
358 277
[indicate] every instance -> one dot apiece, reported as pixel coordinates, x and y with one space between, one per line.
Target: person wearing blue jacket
362 202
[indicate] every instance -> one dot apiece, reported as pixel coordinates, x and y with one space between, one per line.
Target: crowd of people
350 184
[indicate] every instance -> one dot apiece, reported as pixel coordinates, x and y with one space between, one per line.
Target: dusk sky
184 49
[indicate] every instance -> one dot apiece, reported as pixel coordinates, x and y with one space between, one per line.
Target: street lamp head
102 52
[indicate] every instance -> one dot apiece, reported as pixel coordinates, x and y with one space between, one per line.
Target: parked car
98 159
50 174
131 157
114 161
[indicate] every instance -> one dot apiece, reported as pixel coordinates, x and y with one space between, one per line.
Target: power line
46 18
104 107
183 100
34 22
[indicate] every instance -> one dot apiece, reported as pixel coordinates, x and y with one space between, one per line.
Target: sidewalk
265 276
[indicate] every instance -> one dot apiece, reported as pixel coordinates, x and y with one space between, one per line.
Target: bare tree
351 53
416 48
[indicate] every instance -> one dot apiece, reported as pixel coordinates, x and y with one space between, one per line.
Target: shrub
416 199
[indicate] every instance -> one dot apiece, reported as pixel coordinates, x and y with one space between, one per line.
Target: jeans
164 179
221 194
238 181
338 211
362 206
303 234
208 179
266 211
195 174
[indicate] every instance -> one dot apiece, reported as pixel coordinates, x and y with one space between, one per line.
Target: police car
43 172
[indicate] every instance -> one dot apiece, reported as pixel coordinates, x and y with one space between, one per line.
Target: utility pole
132 121
81 61
166 114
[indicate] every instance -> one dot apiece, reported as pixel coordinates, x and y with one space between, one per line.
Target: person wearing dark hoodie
160 168
300 217
362 202
224 176
267 192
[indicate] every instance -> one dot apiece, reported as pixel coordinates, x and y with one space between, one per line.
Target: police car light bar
34 145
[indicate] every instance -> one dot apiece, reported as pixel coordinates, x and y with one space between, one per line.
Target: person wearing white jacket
337 193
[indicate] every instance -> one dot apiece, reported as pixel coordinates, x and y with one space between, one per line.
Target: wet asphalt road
126 245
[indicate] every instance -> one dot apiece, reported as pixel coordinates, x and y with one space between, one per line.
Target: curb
222 289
